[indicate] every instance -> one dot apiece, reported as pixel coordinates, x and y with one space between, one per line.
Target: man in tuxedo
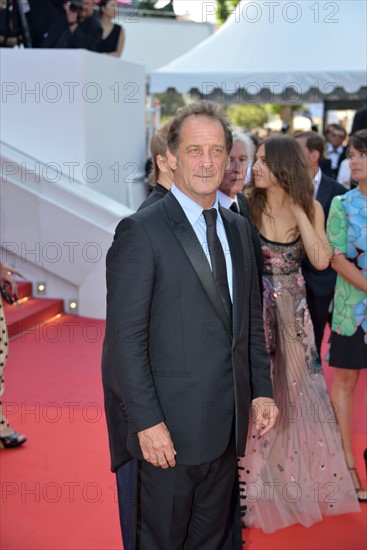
161 178
236 175
230 190
335 151
184 352
319 284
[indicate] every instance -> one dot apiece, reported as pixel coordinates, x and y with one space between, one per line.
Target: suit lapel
236 249
243 206
186 236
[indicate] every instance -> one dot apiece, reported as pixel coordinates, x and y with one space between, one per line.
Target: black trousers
126 477
126 491
182 508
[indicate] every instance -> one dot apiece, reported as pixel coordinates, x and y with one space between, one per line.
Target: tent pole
151 121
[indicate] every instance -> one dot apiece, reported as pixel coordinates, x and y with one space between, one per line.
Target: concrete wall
81 111
58 234
72 154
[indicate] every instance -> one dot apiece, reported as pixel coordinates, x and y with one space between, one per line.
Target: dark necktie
234 208
218 261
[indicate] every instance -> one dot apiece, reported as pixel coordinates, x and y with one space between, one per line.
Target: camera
76 6
7 293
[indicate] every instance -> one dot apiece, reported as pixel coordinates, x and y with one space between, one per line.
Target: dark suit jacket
244 211
87 34
326 167
40 18
170 353
360 120
322 283
156 194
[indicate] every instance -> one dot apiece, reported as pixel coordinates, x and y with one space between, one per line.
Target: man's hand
264 414
157 446
71 16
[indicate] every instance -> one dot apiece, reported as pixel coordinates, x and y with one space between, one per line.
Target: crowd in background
307 235
326 168
62 24
294 191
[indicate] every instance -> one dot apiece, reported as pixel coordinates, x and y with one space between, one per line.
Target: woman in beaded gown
297 471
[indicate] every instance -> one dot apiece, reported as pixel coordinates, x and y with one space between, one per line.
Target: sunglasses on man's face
335 134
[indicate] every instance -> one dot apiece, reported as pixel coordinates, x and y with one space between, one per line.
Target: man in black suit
160 176
74 27
40 17
236 174
230 196
319 284
230 190
184 352
335 134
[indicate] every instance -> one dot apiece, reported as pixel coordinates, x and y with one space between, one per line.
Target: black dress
109 44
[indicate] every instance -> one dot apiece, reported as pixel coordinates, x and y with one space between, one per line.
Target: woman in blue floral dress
347 232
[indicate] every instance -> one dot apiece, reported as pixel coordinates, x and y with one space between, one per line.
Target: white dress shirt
194 213
345 175
316 182
334 154
226 201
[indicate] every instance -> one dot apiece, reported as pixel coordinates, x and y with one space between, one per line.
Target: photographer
10 32
41 17
75 27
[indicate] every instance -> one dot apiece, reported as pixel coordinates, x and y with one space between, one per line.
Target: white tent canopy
277 50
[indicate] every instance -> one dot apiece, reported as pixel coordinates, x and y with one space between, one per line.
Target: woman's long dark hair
287 163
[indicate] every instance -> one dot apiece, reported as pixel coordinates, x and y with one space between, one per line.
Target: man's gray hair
248 144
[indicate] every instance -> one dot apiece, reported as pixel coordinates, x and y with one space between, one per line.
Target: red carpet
29 311
57 492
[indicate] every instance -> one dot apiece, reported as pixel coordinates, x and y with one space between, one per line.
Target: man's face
307 153
200 160
312 157
335 137
234 176
88 7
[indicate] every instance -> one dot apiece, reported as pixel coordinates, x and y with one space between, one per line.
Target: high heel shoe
361 492
12 440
